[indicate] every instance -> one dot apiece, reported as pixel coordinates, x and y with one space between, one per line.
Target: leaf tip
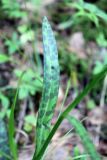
45 19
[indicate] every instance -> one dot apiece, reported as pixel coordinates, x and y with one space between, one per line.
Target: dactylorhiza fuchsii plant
44 130
44 133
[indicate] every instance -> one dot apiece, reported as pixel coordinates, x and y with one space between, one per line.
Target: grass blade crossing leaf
50 85
76 101
88 144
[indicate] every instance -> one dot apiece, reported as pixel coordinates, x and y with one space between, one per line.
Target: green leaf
101 40
4 58
23 92
12 9
27 127
29 122
91 104
85 138
27 36
95 10
50 85
90 11
13 44
30 83
5 104
98 67
31 119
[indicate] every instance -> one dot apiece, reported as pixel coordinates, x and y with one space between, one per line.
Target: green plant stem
79 98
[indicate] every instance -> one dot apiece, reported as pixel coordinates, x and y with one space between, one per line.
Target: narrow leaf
88 144
11 129
50 85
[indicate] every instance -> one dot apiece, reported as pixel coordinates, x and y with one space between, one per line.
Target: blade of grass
85 138
11 125
77 100
80 157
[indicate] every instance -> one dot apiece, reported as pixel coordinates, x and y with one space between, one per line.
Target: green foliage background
21 49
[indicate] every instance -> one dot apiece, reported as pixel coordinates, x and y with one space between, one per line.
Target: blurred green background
80 28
